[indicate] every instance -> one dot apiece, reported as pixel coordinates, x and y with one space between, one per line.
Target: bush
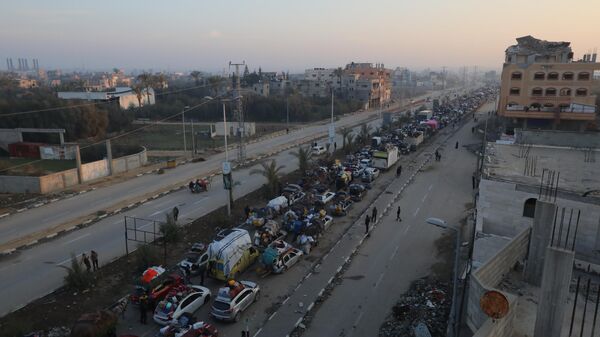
77 278
146 256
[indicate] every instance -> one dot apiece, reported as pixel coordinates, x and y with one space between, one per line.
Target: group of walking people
90 262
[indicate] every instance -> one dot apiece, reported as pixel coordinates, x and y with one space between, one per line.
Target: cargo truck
383 160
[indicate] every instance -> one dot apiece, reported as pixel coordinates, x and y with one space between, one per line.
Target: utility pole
287 113
332 126
183 127
239 112
193 139
227 179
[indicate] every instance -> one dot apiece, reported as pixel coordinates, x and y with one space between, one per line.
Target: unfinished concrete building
538 236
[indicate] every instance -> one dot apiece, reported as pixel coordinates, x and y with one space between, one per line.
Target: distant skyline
285 35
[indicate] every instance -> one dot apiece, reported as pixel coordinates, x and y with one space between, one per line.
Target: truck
415 138
424 115
230 254
383 160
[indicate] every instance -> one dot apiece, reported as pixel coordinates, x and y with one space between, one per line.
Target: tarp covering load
432 122
152 273
278 203
227 251
269 256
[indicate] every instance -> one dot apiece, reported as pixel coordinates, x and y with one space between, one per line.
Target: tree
77 278
215 85
138 90
196 76
115 70
304 155
365 134
169 230
339 72
271 172
351 138
344 131
147 80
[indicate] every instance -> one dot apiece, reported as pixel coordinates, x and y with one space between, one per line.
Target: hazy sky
285 34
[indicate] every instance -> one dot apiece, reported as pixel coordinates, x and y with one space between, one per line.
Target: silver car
230 309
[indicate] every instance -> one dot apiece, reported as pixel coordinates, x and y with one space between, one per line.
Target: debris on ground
425 304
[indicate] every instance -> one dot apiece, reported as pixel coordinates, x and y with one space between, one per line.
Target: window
550 92
581 92
539 76
553 76
515 91
583 76
567 76
548 105
565 92
536 92
516 76
529 208
564 107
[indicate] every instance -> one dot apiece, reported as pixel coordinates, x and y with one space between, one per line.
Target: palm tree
215 84
365 134
304 155
147 80
196 76
160 80
271 173
351 137
138 90
339 72
344 131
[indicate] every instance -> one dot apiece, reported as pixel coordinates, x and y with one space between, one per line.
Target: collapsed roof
528 45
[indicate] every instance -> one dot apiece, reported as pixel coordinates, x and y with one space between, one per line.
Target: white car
366 162
286 260
318 150
229 308
171 308
325 197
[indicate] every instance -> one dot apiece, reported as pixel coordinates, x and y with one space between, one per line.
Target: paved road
398 253
40 262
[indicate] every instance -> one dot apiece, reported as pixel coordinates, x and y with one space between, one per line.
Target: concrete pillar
62 138
78 163
524 123
558 270
109 157
538 241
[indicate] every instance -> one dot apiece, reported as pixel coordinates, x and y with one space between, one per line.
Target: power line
96 103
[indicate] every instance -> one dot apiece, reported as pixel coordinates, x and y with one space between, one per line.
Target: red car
157 289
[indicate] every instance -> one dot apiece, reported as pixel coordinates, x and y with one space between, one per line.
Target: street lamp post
183 127
441 223
226 163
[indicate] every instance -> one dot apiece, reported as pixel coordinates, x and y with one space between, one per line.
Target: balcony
572 112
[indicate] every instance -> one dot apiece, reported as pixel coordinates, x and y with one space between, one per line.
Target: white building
125 95
249 128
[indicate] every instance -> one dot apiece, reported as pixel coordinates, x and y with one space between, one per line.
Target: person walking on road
202 272
144 309
398 214
399 171
175 213
94 256
374 214
456 145
367 221
86 261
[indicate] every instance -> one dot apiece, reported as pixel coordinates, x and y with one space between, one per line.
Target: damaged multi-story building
542 86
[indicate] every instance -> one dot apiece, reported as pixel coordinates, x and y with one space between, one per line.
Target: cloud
214 34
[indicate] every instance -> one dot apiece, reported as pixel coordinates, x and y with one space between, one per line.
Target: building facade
541 85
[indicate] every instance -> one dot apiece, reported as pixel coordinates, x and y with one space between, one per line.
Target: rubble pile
428 302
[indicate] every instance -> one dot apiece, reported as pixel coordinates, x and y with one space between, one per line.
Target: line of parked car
284 231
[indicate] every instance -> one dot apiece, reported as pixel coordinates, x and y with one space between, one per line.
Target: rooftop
579 171
528 45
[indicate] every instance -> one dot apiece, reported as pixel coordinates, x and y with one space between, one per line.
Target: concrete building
26 83
543 87
261 88
124 95
279 86
373 85
538 211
